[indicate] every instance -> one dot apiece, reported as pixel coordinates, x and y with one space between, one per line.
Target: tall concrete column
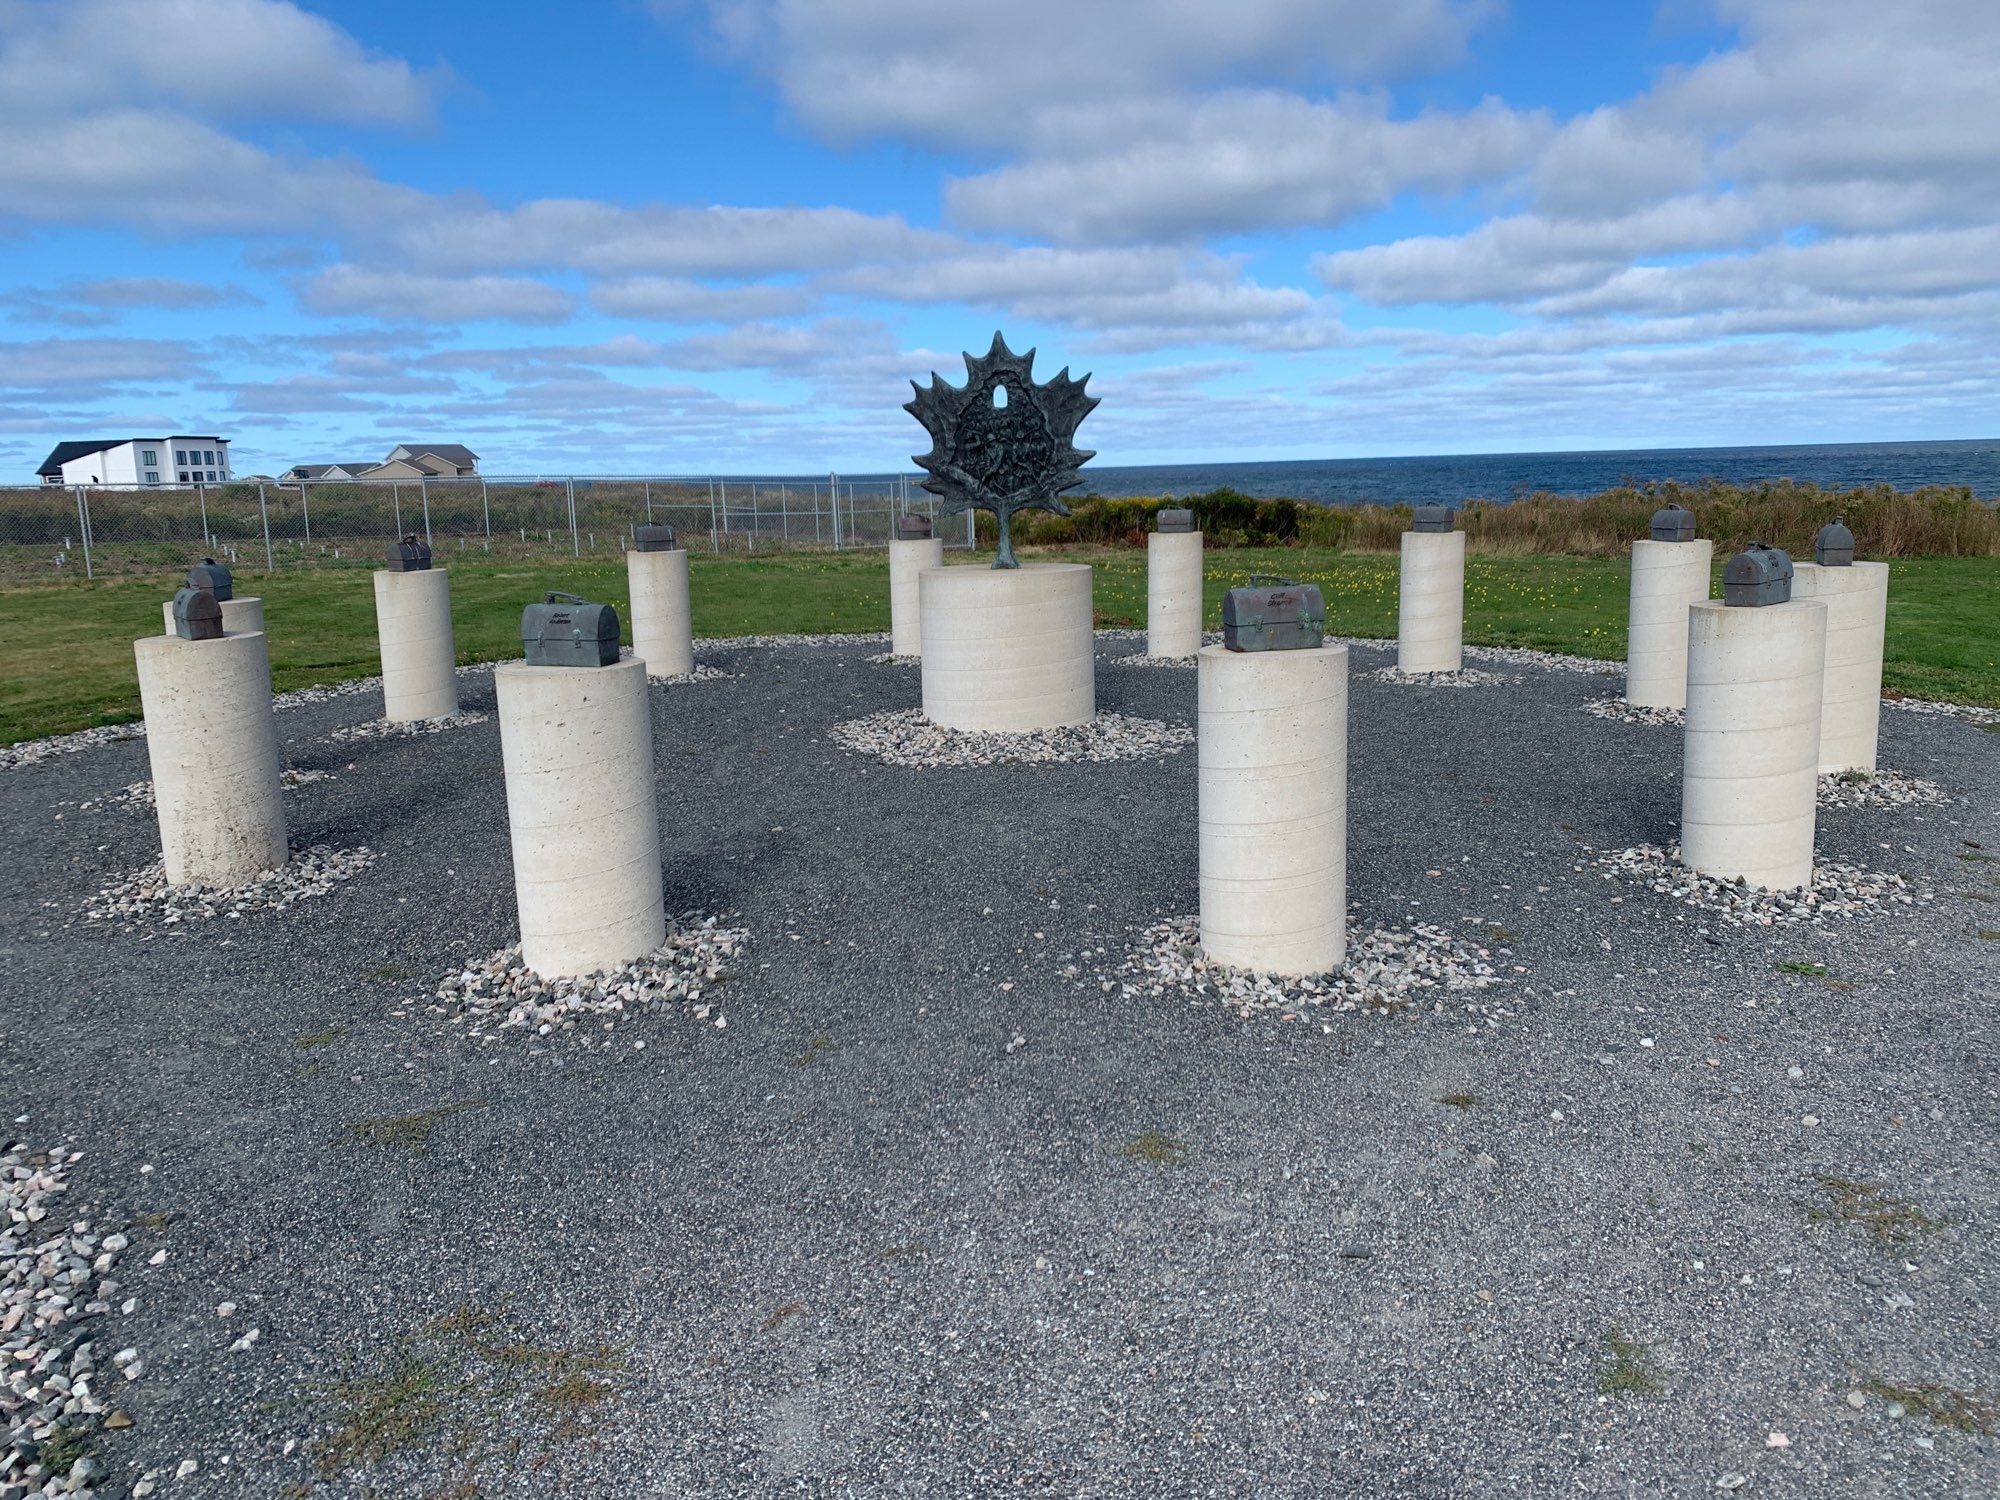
1008 649
1430 611
419 663
1667 577
214 749
1750 774
1272 746
1857 608
907 561
1173 593
662 617
239 616
577 747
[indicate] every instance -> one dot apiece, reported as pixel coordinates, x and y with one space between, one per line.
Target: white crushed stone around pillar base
145 898
391 729
685 679
904 737
1622 712
1389 970
500 993
1464 677
139 794
1880 789
1838 891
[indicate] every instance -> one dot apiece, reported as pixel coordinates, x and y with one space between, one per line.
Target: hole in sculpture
999 397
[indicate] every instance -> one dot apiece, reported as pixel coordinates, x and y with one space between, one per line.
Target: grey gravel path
930 1218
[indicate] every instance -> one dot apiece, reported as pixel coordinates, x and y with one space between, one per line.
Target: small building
426 461
164 460
322 472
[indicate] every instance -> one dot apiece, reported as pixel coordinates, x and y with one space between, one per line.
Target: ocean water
1502 476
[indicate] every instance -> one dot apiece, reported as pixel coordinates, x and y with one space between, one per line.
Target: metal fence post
396 499
575 544
201 499
424 493
714 542
723 485
264 511
305 511
83 530
833 496
649 500
485 514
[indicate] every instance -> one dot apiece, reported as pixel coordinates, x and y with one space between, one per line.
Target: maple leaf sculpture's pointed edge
1002 458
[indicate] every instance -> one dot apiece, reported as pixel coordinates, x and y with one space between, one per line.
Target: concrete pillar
577 747
662 619
214 749
1173 593
1857 607
907 560
1750 764
1272 746
1430 614
239 616
1008 648
1666 578
413 624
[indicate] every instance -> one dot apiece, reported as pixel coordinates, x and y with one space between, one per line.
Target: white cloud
677 299
51 364
350 289
1236 163
985 74
220 58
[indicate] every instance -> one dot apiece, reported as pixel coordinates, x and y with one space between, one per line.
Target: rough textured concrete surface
413 629
1666 578
662 614
1857 614
863 1241
1430 602
1007 649
1173 593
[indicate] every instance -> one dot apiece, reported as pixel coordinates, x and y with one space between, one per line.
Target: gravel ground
1688 1205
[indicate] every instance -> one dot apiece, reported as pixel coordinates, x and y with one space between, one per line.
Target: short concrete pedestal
1273 808
1666 578
1857 608
1750 772
239 616
662 620
1430 612
907 560
1007 649
577 747
214 750
1173 593
413 624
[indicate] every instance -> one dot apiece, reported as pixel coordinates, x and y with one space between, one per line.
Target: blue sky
721 235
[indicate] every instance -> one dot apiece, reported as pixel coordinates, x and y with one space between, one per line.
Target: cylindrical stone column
908 560
662 619
214 749
1750 763
239 616
1007 649
413 623
1666 578
577 747
1430 612
1173 593
1272 745
1857 607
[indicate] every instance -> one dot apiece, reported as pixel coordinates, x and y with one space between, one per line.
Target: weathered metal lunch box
1834 546
1757 575
197 615
1432 518
570 633
411 555
1176 520
913 528
211 575
1273 614
1673 524
654 537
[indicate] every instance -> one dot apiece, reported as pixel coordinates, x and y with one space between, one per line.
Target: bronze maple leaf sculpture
1006 455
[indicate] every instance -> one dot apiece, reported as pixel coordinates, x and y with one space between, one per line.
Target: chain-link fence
113 530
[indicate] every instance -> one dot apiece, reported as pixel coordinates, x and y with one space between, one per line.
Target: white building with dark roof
164 460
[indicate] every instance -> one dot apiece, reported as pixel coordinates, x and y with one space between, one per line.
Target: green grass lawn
71 652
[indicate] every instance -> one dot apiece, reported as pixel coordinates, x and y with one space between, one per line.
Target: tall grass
1935 521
